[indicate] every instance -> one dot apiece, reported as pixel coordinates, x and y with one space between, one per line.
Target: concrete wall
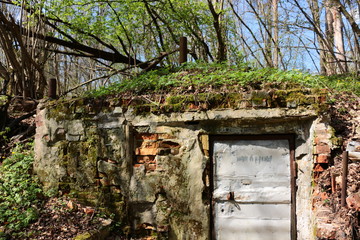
152 170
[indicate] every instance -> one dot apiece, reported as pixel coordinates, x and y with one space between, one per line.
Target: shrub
19 191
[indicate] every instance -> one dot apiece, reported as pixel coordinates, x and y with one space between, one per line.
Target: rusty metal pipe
183 50
52 88
345 157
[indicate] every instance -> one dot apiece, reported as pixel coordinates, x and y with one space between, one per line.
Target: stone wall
151 168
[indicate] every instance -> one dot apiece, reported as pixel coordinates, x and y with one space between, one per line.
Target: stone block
107 167
118 110
353 201
116 123
166 136
291 104
353 146
354 156
150 167
73 138
75 127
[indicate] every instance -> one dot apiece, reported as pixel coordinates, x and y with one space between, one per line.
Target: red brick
169 144
145 159
149 144
193 106
146 151
321 140
322 149
323 196
147 136
322 158
318 168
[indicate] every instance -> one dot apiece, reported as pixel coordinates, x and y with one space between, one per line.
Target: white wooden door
252 189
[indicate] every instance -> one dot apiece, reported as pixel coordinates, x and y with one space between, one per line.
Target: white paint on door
258 174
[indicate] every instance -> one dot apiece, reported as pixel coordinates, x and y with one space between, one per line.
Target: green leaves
202 76
18 190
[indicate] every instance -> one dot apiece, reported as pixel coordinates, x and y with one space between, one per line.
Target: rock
353 201
326 231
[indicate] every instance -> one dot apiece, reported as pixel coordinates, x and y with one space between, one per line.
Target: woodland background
95 42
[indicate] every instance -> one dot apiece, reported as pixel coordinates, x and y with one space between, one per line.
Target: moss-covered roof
222 78
203 87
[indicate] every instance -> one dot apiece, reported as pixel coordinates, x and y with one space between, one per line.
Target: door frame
293 172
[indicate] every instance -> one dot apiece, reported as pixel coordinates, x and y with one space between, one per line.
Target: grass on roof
201 76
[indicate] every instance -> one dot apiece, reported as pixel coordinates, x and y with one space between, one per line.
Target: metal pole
52 88
345 156
183 50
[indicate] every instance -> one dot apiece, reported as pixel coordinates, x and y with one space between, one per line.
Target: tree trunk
275 34
338 37
219 28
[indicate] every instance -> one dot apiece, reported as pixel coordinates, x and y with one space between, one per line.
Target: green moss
279 98
60 110
83 236
300 97
282 94
260 98
320 108
3 100
176 99
142 109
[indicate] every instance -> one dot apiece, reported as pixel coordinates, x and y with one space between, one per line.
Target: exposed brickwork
322 146
149 145
322 158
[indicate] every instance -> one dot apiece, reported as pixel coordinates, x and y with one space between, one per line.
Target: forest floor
335 221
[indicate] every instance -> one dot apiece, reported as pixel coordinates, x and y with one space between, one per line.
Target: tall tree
275 33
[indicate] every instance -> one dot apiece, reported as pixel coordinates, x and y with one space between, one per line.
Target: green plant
204 76
3 133
19 190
